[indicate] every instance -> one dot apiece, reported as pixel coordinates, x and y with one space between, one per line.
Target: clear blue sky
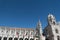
26 13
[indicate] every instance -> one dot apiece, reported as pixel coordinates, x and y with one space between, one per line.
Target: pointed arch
5 38
10 38
26 39
31 39
15 38
21 39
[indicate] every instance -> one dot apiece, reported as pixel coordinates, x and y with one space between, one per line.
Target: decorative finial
39 23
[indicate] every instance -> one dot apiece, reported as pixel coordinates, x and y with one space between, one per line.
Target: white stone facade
50 32
16 33
7 33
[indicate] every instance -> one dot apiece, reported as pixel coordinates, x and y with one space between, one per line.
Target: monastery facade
50 32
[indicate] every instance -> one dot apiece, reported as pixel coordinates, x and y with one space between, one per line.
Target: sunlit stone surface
50 32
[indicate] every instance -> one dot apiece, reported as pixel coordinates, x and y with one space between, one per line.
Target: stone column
18 38
13 38
7 38
2 38
23 38
28 38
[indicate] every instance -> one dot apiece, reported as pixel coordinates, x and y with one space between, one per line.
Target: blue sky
26 13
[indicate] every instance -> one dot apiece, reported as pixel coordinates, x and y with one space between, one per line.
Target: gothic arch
10 38
21 39
31 39
5 38
15 38
58 37
56 30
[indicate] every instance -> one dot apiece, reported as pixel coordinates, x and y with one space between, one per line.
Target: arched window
15 38
26 39
5 38
56 30
21 39
31 39
10 38
58 37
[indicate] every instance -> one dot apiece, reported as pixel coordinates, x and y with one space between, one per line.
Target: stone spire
39 27
39 30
